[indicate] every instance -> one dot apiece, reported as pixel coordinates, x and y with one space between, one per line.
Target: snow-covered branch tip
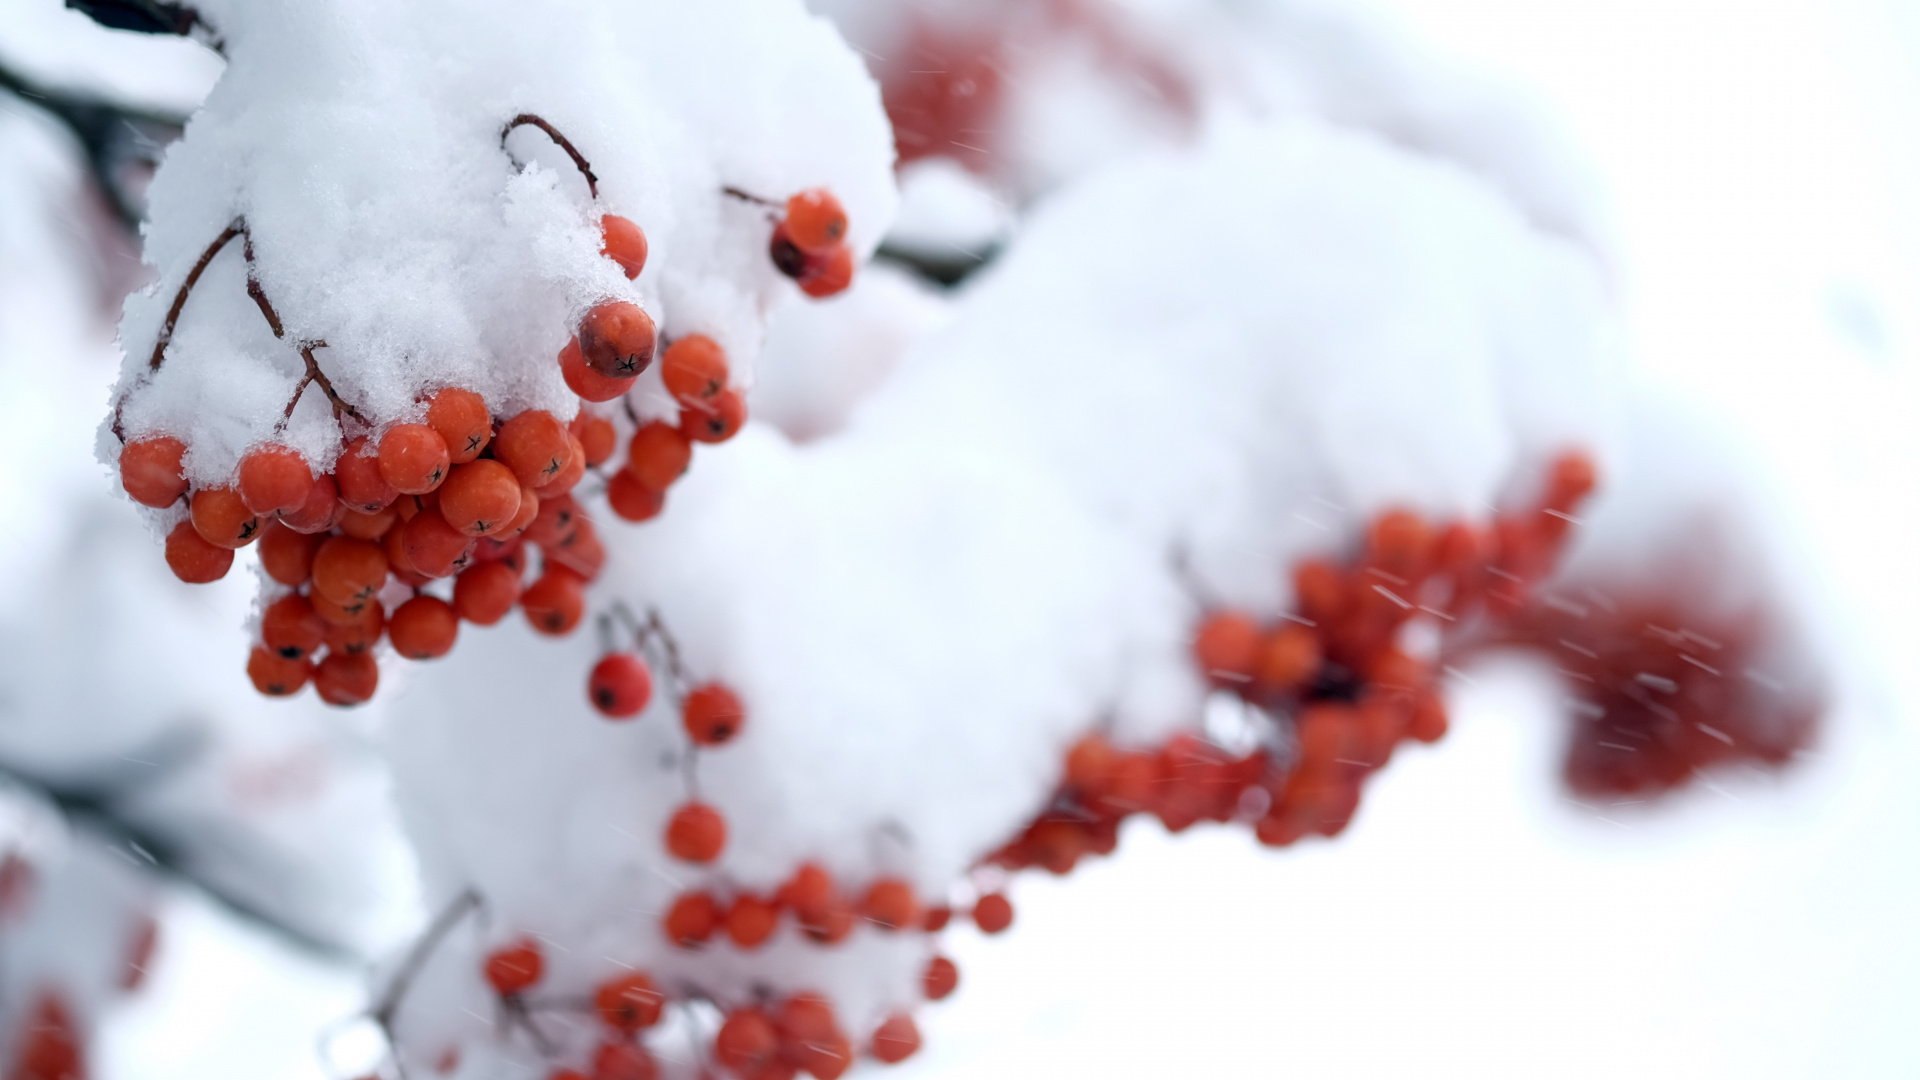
564 143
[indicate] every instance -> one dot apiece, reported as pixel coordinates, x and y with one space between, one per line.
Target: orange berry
751 921
940 979
658 454
274 478
360 526
355 635
347 679
346 570
570 473
1428 723
617 339
285 555
623 1061
596 436
484 594
692 920
321 510
1228 648
223 519
151 471
620 685
338 614
714 420
277 676
829 274
357 472
1327 735
480 498
746 1042
891 905
534 445
808 892
557 518
897 1039
632 500
992 913
623 242
555 602
937 919
579 550
1320 591
434 548
586 383
816 222
1289 659
423 628
413 458
515 967
629 1003
1090 764
696 833
460 418
529 510
1570 479
291 628
831 924
806 1018
1401 543
694 368
712 714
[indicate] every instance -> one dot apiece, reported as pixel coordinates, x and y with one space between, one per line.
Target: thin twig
579 162
314 374
748 196
396 992
238 226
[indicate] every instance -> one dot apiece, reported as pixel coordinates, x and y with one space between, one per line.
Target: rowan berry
751 921
746 1042
787 256
1057 845
534 445
1228 648
423 628
1570 479
696 833
831 922
285 555
571 471
624 242
620 685
277 676
579 550
1326 734
516 967
940 978
897 1039
630 1003
461 420
361 526
1320 590
339 615
936 919
828 274
586 383
557 517
806 1018
1428 721
50 1046
1379 723
714 420
151 470
555 602
413 458
291 628
223 519
529 509
321 510
274 478
346 570
658 454
692 920
357 472
617 339
891 905
992 913
1090 764
623 1061
816 222
809 890
631 499
694 368
1401 543
347 678
480 498
484 594
433 548
596 436
1289 659
712 714
357 635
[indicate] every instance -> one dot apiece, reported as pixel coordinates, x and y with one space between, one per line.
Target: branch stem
579 161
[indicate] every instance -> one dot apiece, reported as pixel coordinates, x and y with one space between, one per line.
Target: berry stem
579 162
314 374
388 1007
748 196
236 228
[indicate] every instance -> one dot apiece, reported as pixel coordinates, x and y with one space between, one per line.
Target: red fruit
828 274
361 526
816 222
629 1003
357 472
274 478
1428 723
620 685
596 436
1401 543
692 920
697 833
1289 659
151 472
434 548
1327 734
557 518
751 921
714 420
461 420
747 1042
347 571
936 919
993 913
940 979
192 559
516 967
658 454
1320 591
346 678
338 615
319 512
623 242
808 892
1090 764
49 1045
1228 648
534 445
285 555
587 383
1571 479
291 628
223 519
806 1018
355 635
712 714
617 339
529 509
623 1061
897 1039
570 473
891 905
413 458
423 628
484 594
555 602
694 368
480 498
275 675
630 499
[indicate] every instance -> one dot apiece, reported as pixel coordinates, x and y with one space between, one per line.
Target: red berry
151 472
751 921
993 913
275 675
570 473
558 517
285 555
347 678
461 420
596 436
746 1042
1228 648
274 478
829 274
692 920
534 445
192 559
586 383
413 458
891 904
1289 659
712 714
940 979
319 512
624 242
361 526
697 833
816 222
484 594
291 628
529 509
357 634
346 570
629 1003
658 454
630 499
515 967
480 498
49 1045
897 1039
223 519
808 891
694 368
434 548
937 919
811 1038
620 685
617 339
423 628
357 472
714 420
623 1061
555 602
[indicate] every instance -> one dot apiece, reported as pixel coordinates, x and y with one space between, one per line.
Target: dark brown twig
388 1007
579 162
238 226
314 374
747 196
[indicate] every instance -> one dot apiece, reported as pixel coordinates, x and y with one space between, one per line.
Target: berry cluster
809 241
694 370
50 1045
